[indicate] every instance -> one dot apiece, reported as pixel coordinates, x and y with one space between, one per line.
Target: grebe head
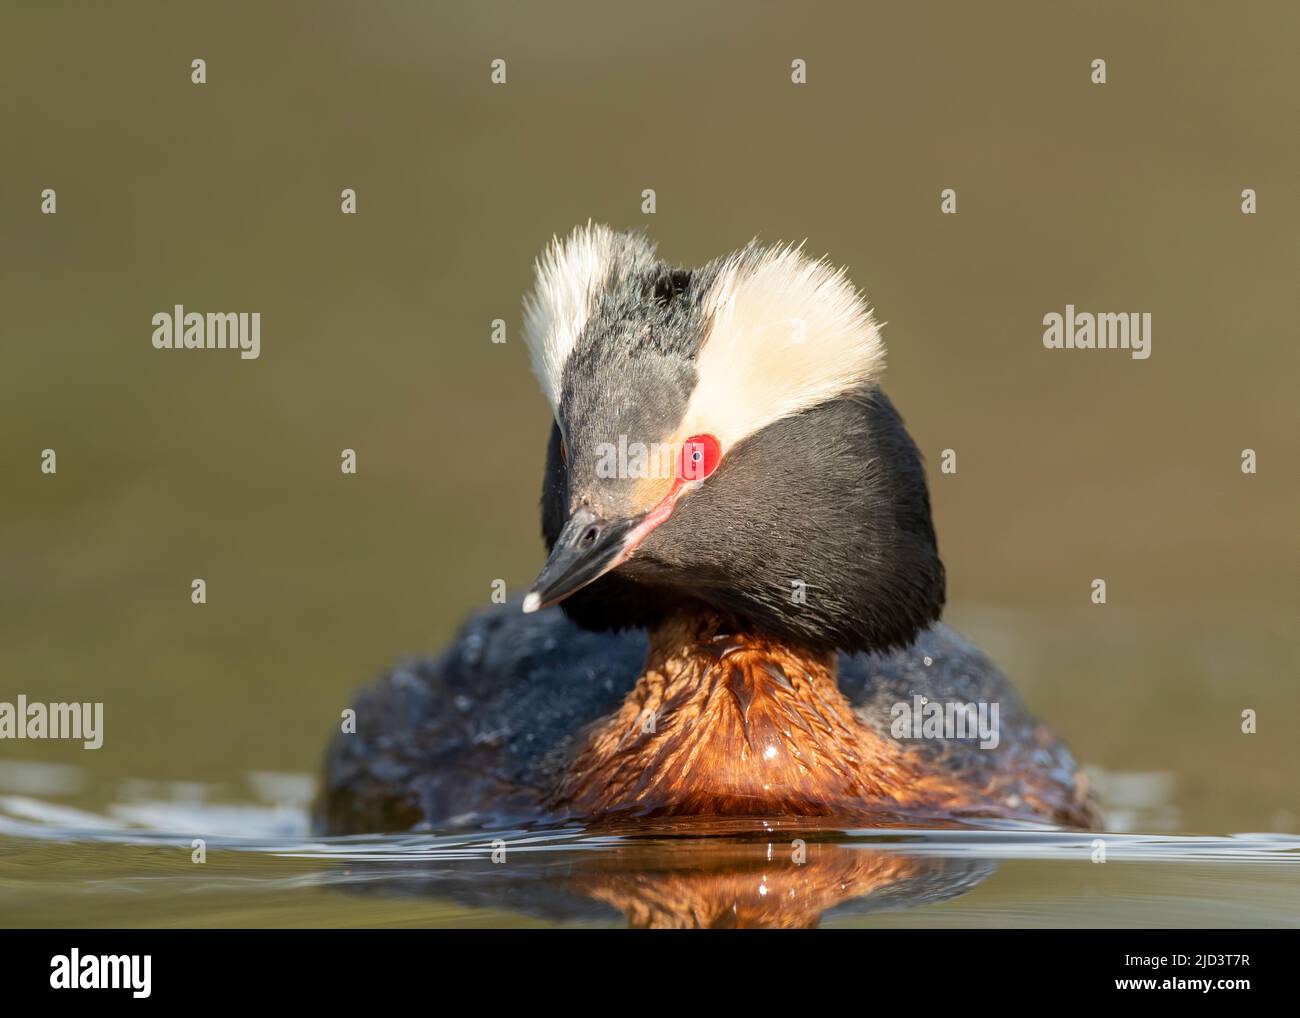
721 443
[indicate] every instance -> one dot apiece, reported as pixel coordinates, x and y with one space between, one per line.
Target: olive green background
375 336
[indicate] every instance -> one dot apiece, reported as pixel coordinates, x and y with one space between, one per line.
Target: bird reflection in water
783 880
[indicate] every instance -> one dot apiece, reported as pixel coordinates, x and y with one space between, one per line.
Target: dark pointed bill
588 547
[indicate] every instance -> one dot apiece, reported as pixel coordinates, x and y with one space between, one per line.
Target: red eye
699 458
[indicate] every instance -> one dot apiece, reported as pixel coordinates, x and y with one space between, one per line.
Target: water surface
134 864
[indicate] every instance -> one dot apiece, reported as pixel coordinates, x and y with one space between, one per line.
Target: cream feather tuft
570 273
785 333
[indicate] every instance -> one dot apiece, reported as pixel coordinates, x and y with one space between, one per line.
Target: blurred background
376 337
